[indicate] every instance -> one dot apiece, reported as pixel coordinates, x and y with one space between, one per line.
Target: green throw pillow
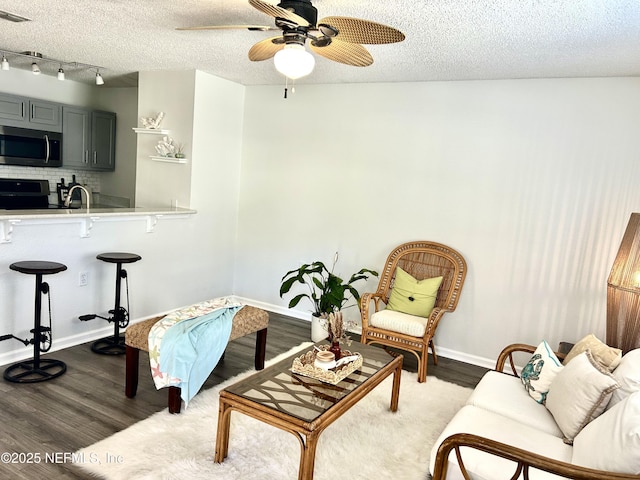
415 297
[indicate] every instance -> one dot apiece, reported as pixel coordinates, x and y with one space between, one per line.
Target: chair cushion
503 394
579 394
608 356
627 374
484 466
415 297
399 322
540 371
612 441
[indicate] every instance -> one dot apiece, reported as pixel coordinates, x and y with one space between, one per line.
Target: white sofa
502 429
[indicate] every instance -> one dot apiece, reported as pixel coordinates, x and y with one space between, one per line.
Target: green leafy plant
327 292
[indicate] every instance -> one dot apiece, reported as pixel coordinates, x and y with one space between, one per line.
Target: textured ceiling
445 39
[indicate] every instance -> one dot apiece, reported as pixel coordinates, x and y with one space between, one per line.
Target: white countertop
52 214
85 218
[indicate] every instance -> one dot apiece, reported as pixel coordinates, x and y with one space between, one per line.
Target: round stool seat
119 257
34 267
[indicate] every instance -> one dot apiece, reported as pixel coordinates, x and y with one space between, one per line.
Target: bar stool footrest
28 372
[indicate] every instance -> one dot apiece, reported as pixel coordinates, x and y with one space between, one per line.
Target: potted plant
327 292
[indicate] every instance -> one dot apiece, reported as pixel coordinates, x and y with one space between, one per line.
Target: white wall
533 181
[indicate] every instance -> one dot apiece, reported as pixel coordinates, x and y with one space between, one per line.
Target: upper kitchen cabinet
88 139
16 111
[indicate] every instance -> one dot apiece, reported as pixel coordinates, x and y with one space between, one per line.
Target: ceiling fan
335 38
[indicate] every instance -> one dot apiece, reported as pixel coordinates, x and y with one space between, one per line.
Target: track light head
35 68
5 63
60 73
99 79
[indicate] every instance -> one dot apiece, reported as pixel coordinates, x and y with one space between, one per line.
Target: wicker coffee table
302 405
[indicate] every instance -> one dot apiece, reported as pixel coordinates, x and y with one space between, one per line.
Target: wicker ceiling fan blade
356 30
278 12
260 28
265 49
345 52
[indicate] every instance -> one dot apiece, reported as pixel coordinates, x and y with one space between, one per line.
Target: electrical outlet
83 279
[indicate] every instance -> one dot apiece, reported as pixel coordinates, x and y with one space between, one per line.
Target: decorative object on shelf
152 122
305 365
623 291
179 150
327 292
166 147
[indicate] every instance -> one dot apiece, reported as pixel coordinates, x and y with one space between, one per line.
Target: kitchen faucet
67 201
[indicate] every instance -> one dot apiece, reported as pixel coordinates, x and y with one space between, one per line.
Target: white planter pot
318 330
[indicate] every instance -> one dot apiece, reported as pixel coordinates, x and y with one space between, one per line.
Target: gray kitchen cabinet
16 111
88 139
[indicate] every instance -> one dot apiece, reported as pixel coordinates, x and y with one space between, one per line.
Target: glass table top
306 398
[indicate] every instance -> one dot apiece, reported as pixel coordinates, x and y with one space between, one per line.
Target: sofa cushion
502 393
608 356
399 322
415 297
483 466
612 441
627 374
540 371
579 393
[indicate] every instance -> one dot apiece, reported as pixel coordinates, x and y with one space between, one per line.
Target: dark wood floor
87 403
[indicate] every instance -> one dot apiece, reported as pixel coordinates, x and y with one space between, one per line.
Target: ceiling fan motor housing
302 8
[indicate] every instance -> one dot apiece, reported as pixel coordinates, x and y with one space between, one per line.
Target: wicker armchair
421 259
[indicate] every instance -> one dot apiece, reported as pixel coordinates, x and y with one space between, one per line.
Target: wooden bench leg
174 401
261 348
131 371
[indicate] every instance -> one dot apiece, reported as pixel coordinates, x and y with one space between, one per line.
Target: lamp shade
623 291
294 61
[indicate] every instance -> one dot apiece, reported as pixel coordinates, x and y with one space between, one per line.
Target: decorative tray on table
304 365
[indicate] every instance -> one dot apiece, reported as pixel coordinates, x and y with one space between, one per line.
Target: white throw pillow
612 441
579 394
627 374
538 374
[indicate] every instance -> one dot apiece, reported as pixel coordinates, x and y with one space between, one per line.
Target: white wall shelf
151 131
168 159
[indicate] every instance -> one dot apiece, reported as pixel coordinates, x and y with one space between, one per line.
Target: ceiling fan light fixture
293 61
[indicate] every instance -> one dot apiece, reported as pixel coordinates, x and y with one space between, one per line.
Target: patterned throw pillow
538 374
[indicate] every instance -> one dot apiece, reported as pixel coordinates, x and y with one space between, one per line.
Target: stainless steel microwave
33 148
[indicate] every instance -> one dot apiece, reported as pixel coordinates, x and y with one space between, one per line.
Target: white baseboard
442 351
24 353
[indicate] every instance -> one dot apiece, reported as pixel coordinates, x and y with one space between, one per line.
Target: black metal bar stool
114 345
38 369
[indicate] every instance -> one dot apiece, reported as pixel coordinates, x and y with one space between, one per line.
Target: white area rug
367 442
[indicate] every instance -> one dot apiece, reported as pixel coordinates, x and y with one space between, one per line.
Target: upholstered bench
247 320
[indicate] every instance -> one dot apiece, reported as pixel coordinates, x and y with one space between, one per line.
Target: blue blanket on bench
192 348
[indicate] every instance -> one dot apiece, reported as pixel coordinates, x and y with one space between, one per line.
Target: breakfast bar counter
86 217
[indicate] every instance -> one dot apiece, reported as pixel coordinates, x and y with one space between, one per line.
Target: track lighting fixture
39 65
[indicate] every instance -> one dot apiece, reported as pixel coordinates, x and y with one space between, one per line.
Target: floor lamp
623 291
